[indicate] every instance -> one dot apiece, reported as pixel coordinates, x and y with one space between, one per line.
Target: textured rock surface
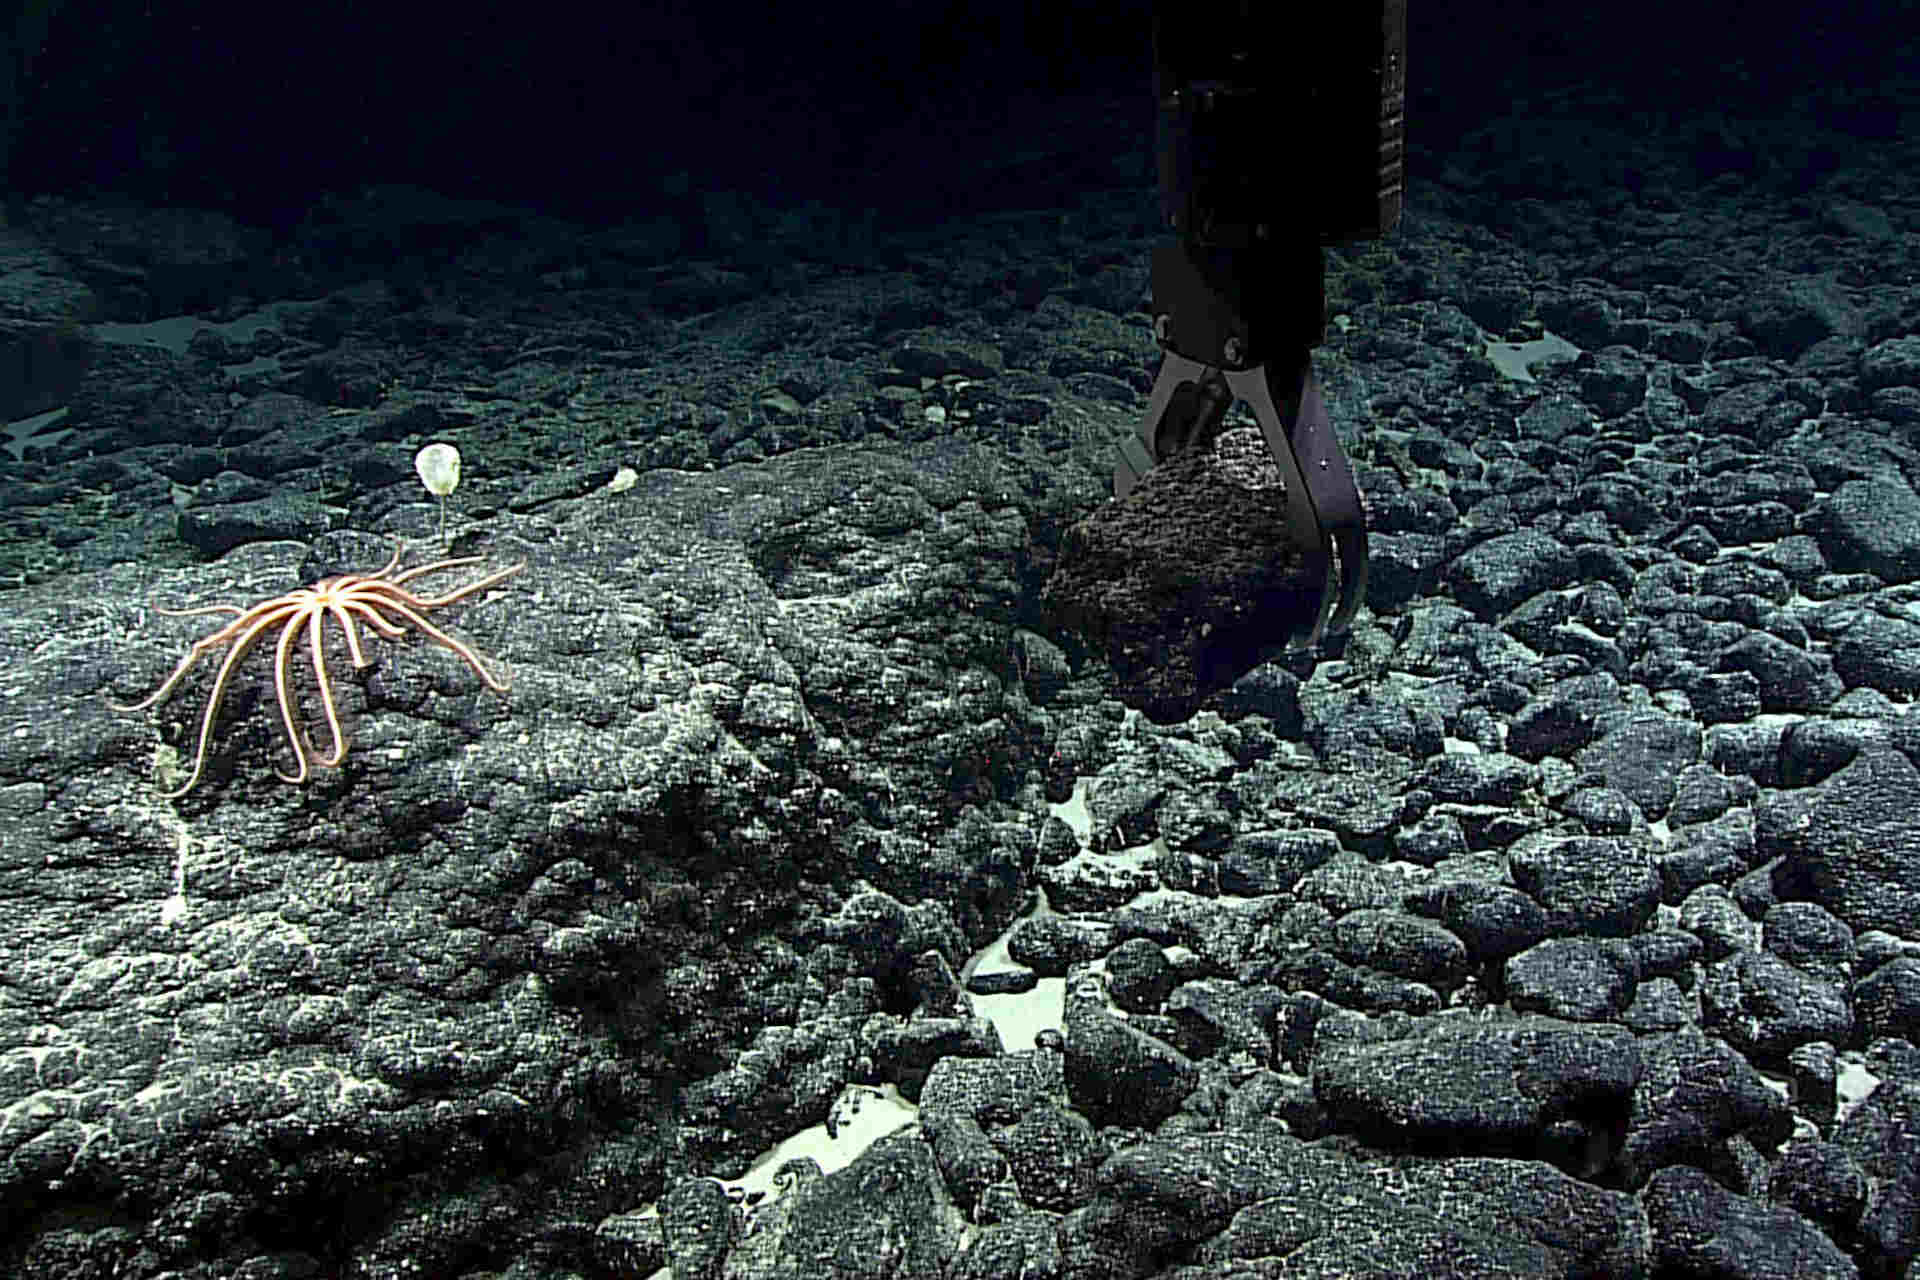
1190 581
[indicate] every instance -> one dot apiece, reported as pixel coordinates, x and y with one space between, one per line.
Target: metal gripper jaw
1324 517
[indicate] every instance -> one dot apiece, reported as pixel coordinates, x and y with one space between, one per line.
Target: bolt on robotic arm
1280 132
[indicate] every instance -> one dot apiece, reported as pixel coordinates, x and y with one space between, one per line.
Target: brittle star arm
440 637
194 654
304 759
247 626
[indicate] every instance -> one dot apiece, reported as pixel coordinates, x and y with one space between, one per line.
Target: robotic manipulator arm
1281 131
